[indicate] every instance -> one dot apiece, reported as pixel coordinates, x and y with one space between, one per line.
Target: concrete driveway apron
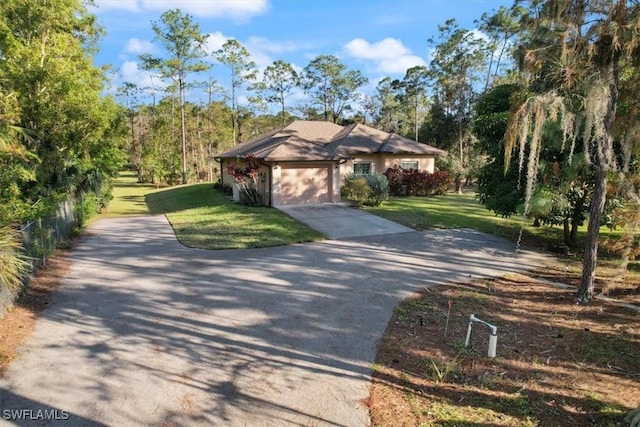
340 221
147 332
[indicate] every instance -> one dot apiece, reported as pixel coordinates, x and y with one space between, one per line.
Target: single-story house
305 161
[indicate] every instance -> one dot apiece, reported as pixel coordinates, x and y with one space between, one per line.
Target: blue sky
379 37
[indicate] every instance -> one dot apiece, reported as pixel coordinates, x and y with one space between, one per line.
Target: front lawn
465 211
205 218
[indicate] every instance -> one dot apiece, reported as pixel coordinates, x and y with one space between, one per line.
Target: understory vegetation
557 363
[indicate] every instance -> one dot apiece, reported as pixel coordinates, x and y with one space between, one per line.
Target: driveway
340 221
147 332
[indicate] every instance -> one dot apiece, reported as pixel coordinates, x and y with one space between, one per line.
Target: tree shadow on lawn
183 197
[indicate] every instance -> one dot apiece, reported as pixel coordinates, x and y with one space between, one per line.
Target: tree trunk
283 112
585 292
415 118
183 134
576 219
458 182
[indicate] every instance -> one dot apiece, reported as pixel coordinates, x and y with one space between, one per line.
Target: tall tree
389 107
576 56
278 81
500 27
243 72
184 43
414 87
129 92
457 65
332 86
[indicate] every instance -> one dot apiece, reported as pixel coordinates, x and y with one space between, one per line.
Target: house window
362 168
409 165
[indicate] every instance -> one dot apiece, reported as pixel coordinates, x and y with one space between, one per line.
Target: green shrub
379 189
86 208
369 190
14 266
355 188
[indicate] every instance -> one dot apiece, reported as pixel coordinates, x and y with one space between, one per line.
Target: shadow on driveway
147 332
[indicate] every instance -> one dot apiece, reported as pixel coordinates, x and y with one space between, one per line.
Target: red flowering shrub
395 175
416 182
412 182
438 183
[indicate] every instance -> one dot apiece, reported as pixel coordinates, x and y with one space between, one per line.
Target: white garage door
305 184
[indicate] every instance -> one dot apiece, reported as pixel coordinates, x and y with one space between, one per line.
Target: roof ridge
344 132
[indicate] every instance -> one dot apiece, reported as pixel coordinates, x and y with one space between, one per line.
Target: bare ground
558 363
19 321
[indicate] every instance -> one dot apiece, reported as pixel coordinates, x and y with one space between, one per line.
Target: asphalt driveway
147 332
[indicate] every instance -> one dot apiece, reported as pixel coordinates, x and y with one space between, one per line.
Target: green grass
129 196
465 211
203 217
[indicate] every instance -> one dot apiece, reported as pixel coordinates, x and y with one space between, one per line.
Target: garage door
305 184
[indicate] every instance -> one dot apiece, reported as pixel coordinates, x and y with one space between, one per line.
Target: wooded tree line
60 137
433 104
531 106
539 106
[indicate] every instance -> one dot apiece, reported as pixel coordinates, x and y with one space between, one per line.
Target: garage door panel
305 184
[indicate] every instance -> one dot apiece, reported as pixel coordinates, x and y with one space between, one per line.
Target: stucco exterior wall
425 163
381 162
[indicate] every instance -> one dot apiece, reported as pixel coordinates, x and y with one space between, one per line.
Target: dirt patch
19 321
558 363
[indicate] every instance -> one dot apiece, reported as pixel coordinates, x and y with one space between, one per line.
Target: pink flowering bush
246 177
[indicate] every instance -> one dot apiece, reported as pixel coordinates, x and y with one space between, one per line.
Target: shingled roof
305 140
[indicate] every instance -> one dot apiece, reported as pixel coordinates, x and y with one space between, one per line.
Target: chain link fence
41 236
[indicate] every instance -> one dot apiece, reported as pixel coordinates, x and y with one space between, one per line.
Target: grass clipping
557 363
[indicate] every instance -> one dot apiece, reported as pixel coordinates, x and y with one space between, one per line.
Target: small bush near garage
379 189
412 182
355 188
368 190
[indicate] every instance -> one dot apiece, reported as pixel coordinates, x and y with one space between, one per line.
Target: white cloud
388 55
260 49
388 48
131 72
400 64
139 46
215 42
